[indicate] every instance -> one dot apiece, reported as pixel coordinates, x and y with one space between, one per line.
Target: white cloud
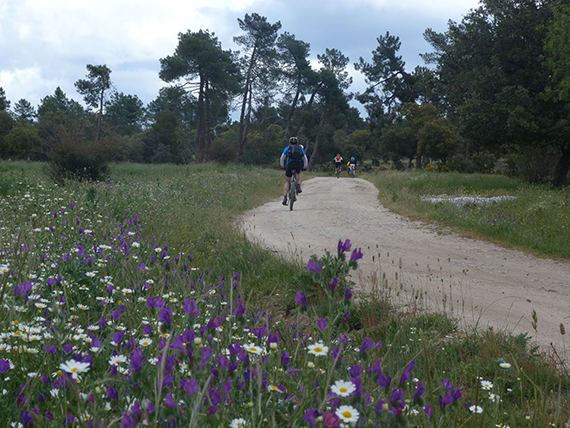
48 43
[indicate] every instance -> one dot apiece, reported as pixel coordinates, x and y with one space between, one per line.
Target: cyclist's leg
286 186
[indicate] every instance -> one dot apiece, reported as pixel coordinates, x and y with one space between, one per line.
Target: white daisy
115 360
318 349
74 367
145 342
343 388
347 414
253 349
486 385
505 365
476 409
238 423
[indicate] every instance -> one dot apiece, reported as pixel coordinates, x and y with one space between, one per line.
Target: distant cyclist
337 164
296 161
351 165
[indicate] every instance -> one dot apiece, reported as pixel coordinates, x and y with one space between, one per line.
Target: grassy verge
533 218
137 302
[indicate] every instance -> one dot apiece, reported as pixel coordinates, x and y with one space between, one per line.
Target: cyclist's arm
283 157
305 160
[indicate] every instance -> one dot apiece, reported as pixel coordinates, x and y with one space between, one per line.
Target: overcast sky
48 43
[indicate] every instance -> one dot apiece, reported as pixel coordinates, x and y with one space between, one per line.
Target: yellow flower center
317 349
343 389
347 414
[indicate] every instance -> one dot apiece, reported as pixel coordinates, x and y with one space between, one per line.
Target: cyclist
296 161
351 164
337 164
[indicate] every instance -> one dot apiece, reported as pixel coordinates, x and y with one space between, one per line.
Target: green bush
82 162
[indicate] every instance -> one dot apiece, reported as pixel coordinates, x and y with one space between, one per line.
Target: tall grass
536 219
136 302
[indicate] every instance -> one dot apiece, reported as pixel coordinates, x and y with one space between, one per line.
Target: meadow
136 302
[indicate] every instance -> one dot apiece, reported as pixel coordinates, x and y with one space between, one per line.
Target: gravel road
419 265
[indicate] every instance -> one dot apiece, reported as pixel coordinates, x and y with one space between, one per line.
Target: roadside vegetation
509 211
136 302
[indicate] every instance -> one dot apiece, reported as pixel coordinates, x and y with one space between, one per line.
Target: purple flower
311 416
343 247
118 337
285 359
81 251
189 386
136 360
348 294
421 389
300 299
406 373
355 371
190 308
333 284
322 324
165 315
170 402
356 255
311 267
116 314
51 349
26 418
427 411
112 393
346 317
4 366
397 395
240 309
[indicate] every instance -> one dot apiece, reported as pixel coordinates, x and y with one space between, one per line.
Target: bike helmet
293 140
352 159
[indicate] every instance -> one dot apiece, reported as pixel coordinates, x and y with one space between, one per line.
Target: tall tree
125 113
298 78
24 112
388 81
328 99
200 65
94 89
259 60
182 103
4 103
59 103
491 75
557 48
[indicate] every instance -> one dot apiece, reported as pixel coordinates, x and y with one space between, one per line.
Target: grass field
136 302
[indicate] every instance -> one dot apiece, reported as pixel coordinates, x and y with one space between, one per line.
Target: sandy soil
420 265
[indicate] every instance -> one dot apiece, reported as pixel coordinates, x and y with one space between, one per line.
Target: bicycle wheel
292 194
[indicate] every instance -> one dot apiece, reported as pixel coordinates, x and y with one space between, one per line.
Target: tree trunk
315 152
199 145
100 118
245 109
313 158
207 133
562 167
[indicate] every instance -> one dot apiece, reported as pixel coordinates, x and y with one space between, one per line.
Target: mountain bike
293 190
337 172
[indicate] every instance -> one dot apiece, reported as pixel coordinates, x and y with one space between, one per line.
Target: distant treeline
496 86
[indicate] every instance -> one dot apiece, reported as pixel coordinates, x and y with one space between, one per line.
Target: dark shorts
293 165
337 164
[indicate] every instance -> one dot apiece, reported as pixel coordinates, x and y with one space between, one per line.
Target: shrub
78 162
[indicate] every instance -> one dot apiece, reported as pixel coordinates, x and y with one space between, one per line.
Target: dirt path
414 263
